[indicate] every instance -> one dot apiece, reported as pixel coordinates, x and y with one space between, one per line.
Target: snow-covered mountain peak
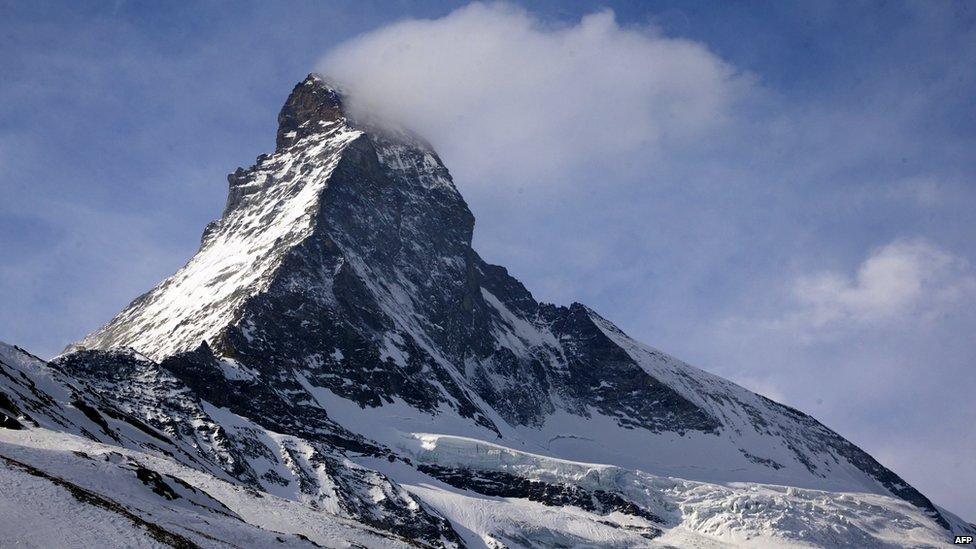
338 306
329 177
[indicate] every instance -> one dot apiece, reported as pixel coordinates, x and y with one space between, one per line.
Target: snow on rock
125 400
93 494
271 208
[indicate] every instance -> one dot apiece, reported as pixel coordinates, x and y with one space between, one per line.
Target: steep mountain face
354 243
336 342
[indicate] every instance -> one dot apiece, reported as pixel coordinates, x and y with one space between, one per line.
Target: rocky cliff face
346 256
337 311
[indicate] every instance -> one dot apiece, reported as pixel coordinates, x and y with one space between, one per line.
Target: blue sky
781 193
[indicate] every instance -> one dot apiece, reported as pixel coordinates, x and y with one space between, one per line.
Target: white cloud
906 289
504 96
904 280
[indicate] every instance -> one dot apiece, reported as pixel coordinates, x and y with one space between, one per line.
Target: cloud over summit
504 96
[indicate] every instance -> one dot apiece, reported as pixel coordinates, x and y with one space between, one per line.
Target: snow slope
160 419
696 513
92 495
42 467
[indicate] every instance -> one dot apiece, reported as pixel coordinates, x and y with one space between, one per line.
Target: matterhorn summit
337 366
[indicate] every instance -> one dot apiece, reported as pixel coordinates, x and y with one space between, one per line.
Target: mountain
337 353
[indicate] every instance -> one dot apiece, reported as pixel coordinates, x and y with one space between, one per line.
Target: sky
781 193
